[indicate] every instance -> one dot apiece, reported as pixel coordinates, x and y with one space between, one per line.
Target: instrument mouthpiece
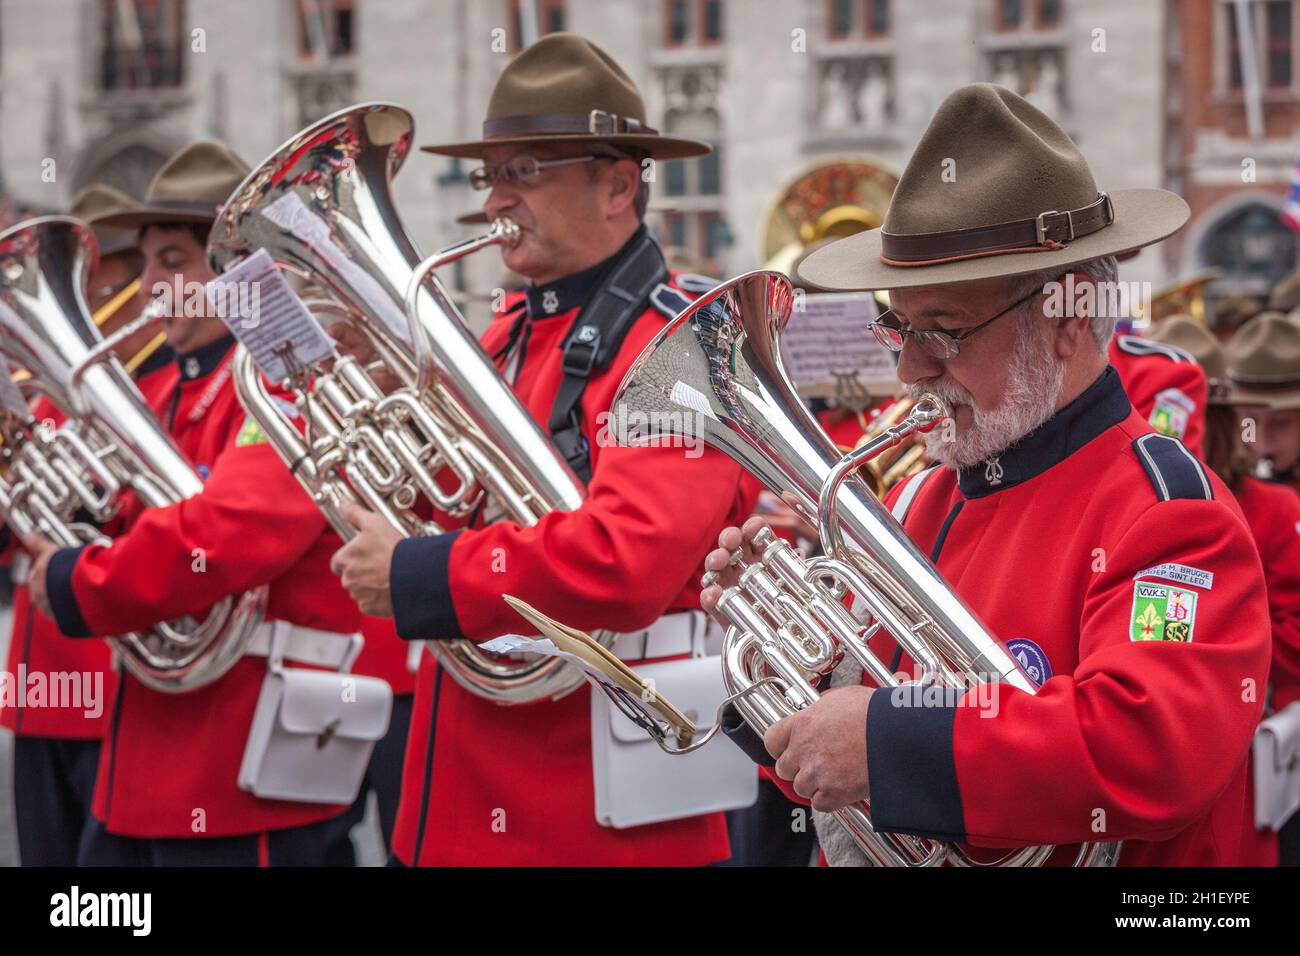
929 411
506 232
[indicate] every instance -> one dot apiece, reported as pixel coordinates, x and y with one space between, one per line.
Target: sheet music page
255 302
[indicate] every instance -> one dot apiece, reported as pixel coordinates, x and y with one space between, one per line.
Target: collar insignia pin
993 472
550 301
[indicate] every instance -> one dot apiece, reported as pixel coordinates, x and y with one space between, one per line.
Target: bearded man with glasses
1113 565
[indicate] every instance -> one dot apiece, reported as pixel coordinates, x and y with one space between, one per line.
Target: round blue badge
204 472
1031 659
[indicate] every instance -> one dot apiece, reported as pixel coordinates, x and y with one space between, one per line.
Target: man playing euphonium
1113 565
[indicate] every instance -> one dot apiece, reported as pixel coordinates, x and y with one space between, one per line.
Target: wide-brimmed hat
97 202
565 89
1183 332
1264 361
190 187
1234 310
1286 294
994 188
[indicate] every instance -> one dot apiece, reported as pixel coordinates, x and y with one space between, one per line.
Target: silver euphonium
111 443
321 207
718 367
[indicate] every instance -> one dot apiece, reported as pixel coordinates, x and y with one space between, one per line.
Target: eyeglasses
890 332
522 170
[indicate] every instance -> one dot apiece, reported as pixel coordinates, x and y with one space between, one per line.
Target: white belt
20 567
670 636
307 645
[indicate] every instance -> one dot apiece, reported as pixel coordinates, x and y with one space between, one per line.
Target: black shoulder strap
1135 345
1172 470
594 339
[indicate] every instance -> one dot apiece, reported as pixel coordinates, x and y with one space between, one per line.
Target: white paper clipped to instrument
257 304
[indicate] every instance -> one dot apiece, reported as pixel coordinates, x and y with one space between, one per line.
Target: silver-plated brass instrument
111 443
718 368
451 431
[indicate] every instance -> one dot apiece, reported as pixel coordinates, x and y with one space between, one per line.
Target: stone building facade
106 89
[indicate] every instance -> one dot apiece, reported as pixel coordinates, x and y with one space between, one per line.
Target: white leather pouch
313 730
637 783
1276 753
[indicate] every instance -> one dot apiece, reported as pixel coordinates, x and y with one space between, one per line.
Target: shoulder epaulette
1136 345
669 301
696 284
1173 471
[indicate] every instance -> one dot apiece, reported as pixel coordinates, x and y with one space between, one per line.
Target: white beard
1033 385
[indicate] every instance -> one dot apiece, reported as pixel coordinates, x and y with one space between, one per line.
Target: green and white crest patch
1162 612
250 434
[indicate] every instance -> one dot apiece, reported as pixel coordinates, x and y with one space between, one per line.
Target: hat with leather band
1264 361
190 187
994 188
565 89
1184 333
97 202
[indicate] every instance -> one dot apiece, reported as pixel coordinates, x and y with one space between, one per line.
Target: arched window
1251 245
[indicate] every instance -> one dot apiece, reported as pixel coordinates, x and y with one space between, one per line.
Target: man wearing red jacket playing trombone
1113 566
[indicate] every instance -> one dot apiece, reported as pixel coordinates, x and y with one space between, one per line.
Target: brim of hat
1273 398
113 245
657 147
156 215
1142 216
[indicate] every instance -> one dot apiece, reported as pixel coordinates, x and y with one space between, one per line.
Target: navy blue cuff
63 600
745 737
910 762
421 589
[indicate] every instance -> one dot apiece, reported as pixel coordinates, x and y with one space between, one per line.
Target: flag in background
1291 208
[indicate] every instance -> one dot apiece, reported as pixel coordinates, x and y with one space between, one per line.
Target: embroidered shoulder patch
250 434
1171 413
1162 612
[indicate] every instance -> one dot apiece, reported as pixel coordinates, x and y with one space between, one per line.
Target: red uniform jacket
1273 513
1123 577
38 650
171 761
1166 385
488 784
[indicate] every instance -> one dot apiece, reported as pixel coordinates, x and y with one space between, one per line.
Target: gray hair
642 198
1103 270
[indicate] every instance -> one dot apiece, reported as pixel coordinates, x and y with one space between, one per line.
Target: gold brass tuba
111 443
320 205
718 365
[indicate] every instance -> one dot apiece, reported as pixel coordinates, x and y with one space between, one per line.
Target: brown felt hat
565 89
1286 294
190 187
994 188
1182 332
1264 361
97 202
1235 309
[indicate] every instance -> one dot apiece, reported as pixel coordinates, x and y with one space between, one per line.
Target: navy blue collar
572 291
161 356
1100 406
204 360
